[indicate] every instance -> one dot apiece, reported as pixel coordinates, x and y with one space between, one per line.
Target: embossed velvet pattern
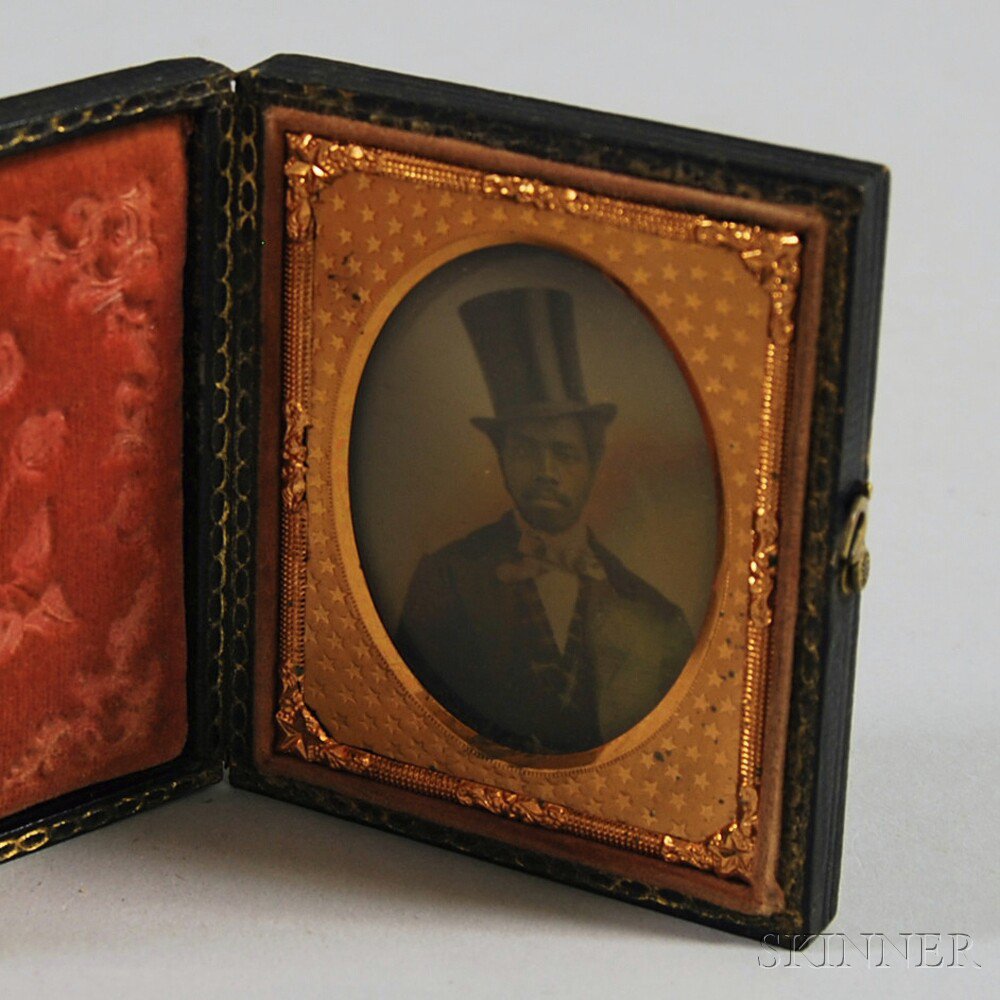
92 642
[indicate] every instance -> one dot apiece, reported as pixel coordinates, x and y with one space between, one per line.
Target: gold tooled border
772 258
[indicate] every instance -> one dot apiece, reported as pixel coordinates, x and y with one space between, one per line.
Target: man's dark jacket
485 650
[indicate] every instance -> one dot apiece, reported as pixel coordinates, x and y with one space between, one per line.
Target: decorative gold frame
772 258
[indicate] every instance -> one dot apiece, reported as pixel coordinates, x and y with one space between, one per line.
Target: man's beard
557 515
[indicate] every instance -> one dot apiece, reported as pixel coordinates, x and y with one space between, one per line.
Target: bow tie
537 554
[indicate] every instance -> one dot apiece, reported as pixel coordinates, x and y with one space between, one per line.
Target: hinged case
246 138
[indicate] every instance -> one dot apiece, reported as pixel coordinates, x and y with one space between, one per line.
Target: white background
227 894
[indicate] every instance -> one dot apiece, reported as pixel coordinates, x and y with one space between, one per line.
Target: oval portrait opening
534 499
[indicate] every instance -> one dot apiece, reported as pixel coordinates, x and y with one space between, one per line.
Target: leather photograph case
490 471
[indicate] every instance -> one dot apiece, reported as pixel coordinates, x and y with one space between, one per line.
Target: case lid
119 240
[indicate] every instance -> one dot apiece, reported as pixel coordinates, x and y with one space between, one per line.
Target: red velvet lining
92 643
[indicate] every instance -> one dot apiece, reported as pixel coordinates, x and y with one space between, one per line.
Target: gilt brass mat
683 784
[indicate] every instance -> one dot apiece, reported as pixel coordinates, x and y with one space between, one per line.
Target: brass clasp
853 558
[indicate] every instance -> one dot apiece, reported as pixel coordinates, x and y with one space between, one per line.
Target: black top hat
525 340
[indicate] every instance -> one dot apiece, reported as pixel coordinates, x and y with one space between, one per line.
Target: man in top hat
528 630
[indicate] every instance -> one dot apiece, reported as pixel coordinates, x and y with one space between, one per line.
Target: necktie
538 553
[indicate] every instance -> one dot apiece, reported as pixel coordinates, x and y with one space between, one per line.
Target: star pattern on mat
682 778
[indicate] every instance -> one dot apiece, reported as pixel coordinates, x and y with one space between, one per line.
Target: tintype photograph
534 498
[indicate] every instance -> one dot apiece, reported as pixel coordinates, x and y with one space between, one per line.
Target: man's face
548 471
